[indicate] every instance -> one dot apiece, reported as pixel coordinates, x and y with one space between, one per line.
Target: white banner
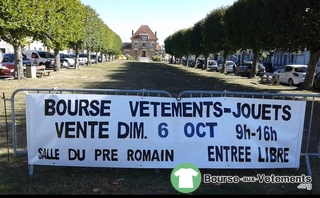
155 132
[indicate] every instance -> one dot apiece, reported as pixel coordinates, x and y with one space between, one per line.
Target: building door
143 53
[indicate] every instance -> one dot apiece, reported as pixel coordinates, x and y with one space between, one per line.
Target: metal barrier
310 144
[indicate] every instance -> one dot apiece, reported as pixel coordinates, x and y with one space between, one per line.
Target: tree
196 42
295 25
206 46
76 42
187 50
109 41
17 24
99 36
215 27
178 44
169 47
91 21
59 28
243 28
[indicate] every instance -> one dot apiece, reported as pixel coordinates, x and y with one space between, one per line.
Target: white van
39 57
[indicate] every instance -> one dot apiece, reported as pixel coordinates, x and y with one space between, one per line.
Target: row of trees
259 25
59 24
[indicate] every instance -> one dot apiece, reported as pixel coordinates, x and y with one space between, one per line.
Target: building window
135 43
152 44
144 44
135 52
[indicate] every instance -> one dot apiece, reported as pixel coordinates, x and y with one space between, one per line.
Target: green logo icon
186 178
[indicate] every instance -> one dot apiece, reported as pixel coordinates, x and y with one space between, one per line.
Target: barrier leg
31 168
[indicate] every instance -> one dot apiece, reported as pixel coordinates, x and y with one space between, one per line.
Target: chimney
132 32
155 33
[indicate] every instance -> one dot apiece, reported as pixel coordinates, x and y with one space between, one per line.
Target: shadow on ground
161 76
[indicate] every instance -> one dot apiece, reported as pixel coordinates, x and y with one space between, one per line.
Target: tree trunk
57 62
18 63
89 57
224 69
77 59
308 81
205 62
187 63
255 64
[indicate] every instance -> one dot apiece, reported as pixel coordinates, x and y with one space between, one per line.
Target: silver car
212 65
231 67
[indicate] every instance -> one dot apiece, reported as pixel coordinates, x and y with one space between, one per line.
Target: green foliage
91 20
59 24
120 57
297 30
18 23
17 20
243 24
129 57
196 41
215 32
156 58
187 41
178 43
169 45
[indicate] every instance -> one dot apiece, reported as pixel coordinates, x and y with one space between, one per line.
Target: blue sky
164 16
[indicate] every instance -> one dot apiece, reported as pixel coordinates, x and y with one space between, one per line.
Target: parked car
200 63
292 74
8 64
316 82
66 60
39 57
93 59
276 67
5 72
192 63
84 57
82 60
231 66
219 61
100 59
269 67
212 65
3 69
244 69
8 61
72 56
184 61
